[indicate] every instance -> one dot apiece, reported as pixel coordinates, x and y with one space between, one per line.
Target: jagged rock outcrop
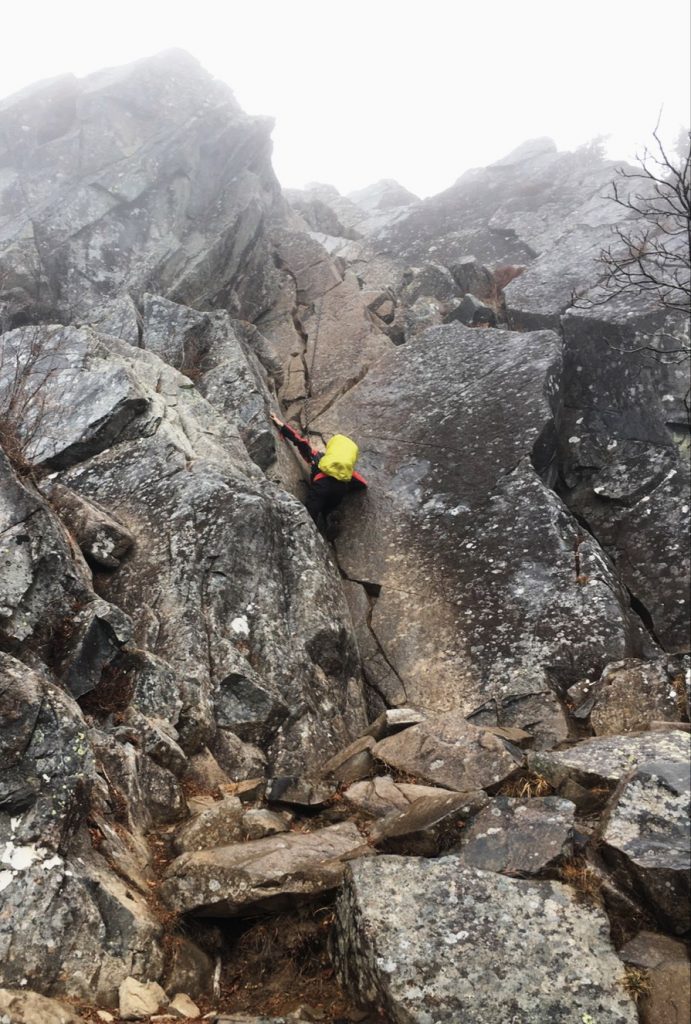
138 203
206 709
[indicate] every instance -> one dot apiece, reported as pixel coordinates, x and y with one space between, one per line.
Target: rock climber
332 472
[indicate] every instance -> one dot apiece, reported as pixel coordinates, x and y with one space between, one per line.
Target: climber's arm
302 444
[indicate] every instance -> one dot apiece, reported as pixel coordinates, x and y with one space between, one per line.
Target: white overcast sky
369 89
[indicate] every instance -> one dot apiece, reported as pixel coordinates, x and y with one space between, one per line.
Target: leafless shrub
29 358
652 253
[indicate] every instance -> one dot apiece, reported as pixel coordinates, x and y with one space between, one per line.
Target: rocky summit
422 762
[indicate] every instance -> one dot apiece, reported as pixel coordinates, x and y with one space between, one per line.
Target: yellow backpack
339 458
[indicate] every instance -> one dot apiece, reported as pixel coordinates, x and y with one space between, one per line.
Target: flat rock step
265 873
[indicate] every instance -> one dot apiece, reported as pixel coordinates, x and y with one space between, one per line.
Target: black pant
324 495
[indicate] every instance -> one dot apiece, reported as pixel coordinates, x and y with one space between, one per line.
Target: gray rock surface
428 826
131 206
382 796
623 472
603 761
669 997
633 694
446 750
650 949
220 825
175 642
138 1000
474 925
522 838
180 492
457 516
231 881
17 1006
647 839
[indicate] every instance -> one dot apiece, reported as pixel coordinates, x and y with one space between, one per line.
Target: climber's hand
276 422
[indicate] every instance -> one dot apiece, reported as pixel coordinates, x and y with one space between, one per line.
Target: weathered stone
157 738
43 577
77 374
259 822
647 839
600 763
18 1006
301 792
353 763
188 969
182 1006
48 767
519 737
633 694
247 790
162 791
120 207
220 825
472 312
239 760
650 949
381 795
447 751
226 371
624 475
101 931
393 720
471 276
398 919
519 837
184 491
102 540
138 1000
431 281
342 344
205 773
272 872
428 826
669 997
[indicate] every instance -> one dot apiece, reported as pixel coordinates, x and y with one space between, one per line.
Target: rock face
457 515
412 934
135 204
188 668
646 835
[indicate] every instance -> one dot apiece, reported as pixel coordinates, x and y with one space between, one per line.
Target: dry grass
279 963
527 786
578 873
636 982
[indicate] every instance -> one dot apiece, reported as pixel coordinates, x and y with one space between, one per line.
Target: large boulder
448 751
599 764
412 934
